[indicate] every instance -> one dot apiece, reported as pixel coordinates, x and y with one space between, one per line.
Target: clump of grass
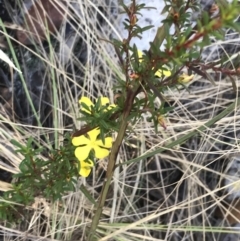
170 177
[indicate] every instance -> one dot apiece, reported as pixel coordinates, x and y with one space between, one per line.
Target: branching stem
112 161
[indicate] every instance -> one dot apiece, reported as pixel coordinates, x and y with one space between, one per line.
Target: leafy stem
131 94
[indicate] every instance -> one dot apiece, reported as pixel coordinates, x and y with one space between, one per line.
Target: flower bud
184 78
133 20
162 121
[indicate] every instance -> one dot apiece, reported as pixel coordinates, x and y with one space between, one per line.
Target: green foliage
51 176
99 115
181 49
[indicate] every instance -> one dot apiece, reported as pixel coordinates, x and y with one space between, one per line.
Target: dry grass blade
169 195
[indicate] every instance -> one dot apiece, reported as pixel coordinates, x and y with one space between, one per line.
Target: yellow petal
82 152
185 78
140 54
85 168
87 102
161 73
80 140
93 134
108 142
104 100
84 172
111 107
100 152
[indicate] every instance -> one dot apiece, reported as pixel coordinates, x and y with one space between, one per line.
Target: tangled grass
174 195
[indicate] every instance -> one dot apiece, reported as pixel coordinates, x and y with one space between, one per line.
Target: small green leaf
16 143
87 194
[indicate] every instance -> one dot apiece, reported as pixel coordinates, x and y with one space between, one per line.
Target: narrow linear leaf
87 194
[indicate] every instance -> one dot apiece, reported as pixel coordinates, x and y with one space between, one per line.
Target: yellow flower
85 168
85 145
159 72
184 78
103 100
